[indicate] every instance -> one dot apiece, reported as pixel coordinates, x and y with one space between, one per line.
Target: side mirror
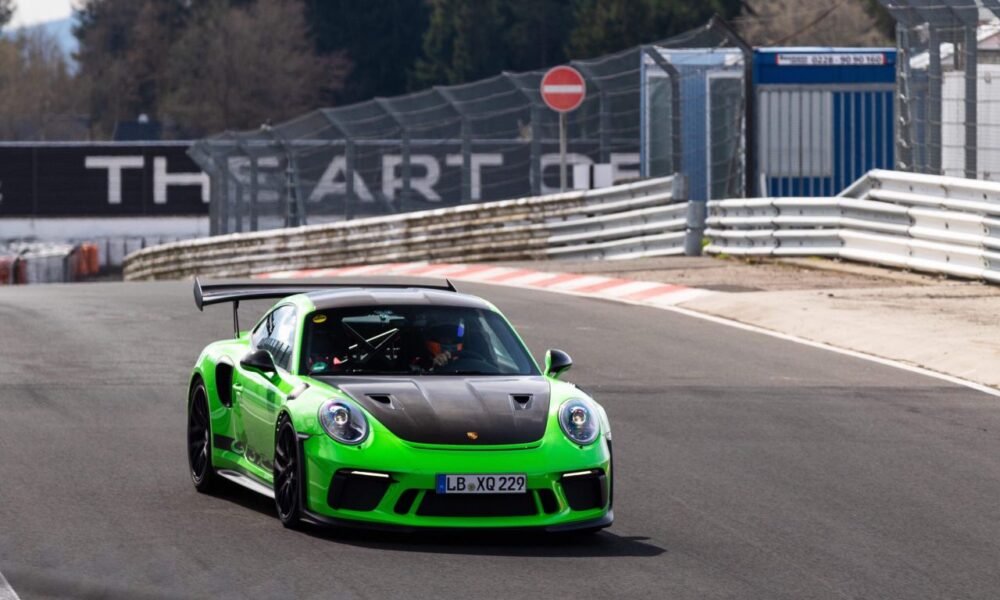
557 362
259 361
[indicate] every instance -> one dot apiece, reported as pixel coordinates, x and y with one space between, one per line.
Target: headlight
343 422
579 421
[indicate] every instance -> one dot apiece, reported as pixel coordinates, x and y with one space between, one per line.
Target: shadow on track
488 542
481 542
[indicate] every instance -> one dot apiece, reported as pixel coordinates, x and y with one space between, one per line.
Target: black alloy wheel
199 438
287 475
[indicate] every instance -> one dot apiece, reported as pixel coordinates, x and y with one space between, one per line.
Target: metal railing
644 218
929 223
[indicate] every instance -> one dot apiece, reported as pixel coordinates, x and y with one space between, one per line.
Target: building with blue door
823 117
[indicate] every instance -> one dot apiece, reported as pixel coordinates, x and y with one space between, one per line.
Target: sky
30 12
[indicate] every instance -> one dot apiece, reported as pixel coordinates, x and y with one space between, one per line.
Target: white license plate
505 483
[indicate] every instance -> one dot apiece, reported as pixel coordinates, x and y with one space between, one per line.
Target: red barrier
91 259
6 270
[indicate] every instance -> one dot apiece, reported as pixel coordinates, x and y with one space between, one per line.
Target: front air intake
585 491
357 490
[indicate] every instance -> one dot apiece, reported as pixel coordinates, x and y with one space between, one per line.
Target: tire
199 438
287 475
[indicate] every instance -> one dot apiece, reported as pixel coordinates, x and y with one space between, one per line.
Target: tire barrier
29 263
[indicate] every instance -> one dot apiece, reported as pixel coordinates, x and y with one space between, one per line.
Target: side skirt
247 482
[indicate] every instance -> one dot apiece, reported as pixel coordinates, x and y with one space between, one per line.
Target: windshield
412 340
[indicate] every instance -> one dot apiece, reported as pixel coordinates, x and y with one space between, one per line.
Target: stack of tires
25 263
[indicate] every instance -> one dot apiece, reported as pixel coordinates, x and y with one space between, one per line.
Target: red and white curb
660 295
623 290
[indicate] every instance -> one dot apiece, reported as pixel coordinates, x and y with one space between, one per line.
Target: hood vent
521 401
385 399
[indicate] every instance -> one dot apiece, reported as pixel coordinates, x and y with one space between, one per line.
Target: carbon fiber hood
455 410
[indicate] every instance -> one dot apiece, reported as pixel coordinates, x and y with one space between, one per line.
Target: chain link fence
489 140
948 87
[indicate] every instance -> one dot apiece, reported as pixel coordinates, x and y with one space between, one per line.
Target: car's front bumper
392 485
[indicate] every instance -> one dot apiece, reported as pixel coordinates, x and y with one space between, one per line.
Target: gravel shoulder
946 325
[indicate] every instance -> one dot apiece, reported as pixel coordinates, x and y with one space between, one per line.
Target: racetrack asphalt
746 467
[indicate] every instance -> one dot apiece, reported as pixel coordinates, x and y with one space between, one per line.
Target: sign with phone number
832 60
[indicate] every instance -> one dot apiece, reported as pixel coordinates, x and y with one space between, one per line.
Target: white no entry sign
563 88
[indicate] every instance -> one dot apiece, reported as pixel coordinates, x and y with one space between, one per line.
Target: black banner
378 180
107 180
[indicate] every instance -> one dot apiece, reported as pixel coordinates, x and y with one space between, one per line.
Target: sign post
563 90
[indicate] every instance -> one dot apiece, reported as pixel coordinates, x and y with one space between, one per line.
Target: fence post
214 199
238 206
292 208
253 193
223 214
407 172
934 83
971 99
466 160
349 178
536 149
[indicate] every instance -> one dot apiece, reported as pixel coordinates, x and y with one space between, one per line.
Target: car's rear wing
217 293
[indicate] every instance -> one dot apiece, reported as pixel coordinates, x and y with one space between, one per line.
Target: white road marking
580 282
403 269
529 279
488 274
632 287
7 592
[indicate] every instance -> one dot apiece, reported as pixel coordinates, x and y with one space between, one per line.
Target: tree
606 26
536 33
792 22
38 96
7 8
380 39
465 40
461 43
124 46
239 67
472 40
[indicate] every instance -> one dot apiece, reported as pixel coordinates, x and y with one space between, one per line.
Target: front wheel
287 475
199 438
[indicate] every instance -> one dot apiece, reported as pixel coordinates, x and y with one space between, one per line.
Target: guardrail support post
697 212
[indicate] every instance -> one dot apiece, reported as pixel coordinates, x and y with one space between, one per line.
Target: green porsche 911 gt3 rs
395 406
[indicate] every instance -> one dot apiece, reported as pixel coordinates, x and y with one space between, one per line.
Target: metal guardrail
644 218
929 223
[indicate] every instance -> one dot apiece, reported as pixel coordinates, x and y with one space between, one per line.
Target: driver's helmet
445 337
